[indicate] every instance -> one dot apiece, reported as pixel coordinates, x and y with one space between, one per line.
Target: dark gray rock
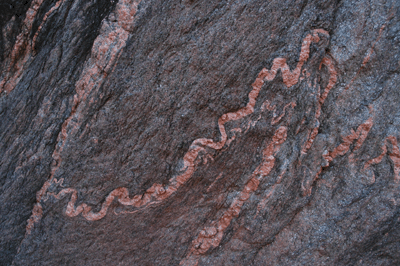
199 132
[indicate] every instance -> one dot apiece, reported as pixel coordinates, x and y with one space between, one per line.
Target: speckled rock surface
199 132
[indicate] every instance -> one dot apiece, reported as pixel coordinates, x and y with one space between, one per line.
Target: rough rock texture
199 132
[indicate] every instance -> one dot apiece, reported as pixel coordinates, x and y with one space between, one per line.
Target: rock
199 132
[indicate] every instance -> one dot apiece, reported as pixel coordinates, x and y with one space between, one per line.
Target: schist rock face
199 132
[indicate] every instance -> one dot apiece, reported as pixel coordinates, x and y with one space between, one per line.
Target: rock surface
199 132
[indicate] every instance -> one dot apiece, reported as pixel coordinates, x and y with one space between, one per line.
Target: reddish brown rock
199 132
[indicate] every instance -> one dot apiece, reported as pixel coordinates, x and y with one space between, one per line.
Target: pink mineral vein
275 119
104 54
367 57
210 237
290 78
21 51
213 183
264 201
394 155
359 135
328 62
158 192
56 6
375 161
